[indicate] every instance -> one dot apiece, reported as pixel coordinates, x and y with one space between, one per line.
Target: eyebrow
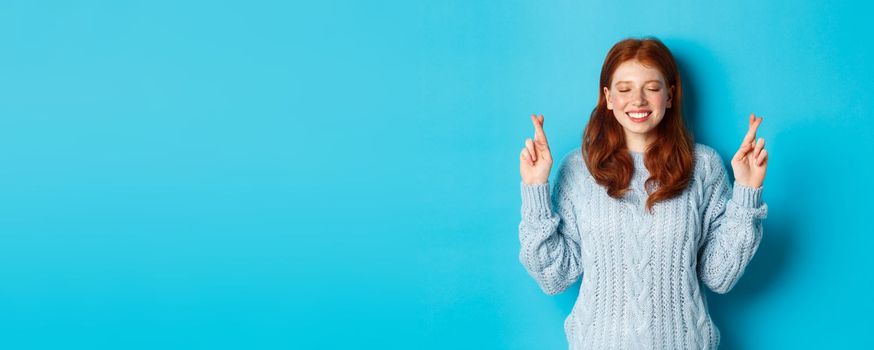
646 82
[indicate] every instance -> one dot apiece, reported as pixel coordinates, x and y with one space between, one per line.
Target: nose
638 99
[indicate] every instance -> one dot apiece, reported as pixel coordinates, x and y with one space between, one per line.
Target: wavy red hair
669 159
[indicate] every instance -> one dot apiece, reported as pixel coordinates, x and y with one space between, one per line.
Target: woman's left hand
751 160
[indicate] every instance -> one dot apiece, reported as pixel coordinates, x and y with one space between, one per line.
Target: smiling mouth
639 117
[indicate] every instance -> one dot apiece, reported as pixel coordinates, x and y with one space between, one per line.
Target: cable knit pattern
642 273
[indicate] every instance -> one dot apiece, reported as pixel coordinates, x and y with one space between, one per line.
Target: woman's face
638 98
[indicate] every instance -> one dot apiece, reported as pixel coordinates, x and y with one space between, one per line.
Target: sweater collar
637 157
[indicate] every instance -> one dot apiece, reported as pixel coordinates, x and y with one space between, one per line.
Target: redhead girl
646 216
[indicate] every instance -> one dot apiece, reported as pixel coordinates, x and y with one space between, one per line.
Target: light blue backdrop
266 174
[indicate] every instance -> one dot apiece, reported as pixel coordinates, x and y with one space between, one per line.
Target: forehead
637 72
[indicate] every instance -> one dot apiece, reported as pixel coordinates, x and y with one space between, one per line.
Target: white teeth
638 115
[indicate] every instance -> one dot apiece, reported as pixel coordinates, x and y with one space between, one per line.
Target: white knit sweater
642 272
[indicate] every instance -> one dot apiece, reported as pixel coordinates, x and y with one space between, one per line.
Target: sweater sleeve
550 243
732 228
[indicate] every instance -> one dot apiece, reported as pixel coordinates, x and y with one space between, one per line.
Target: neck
637 142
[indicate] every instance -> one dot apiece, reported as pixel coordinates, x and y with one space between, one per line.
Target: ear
670 96
607 98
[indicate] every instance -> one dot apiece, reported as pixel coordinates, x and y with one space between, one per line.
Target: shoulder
571 163
705 153
571 168
708 163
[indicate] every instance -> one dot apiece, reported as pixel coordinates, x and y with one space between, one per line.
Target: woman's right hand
535 161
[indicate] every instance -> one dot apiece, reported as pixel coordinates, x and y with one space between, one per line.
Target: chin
640 129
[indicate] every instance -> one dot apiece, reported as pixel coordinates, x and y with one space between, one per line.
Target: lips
639 116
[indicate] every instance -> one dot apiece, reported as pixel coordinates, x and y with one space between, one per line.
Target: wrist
750 184
746 196
536 201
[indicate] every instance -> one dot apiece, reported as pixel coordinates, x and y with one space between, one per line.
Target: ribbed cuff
746 196
536 200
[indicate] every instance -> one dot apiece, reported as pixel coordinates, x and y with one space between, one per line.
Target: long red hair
669 159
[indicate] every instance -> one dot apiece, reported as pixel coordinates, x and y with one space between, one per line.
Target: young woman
641 212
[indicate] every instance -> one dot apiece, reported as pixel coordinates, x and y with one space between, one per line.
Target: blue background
265 174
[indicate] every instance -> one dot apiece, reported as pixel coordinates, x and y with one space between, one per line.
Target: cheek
619 100
659 100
